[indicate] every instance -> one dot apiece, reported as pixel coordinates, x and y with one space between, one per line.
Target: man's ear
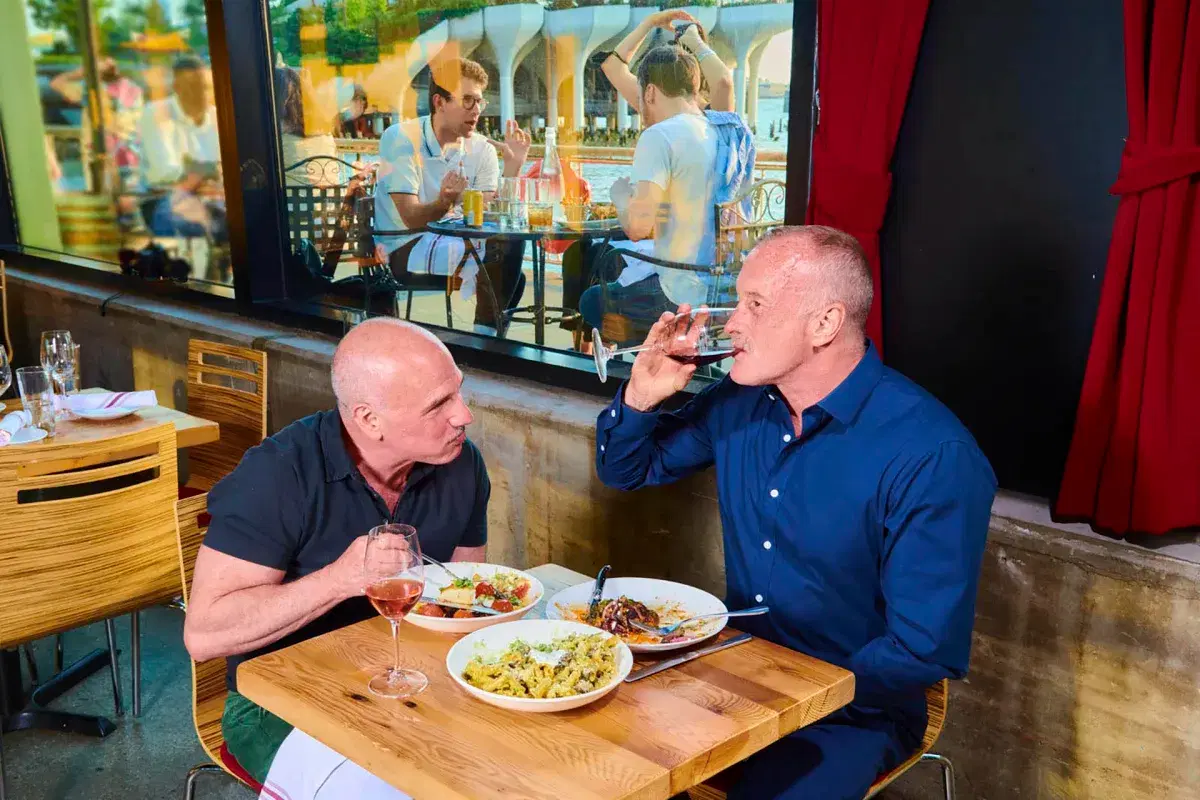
367 421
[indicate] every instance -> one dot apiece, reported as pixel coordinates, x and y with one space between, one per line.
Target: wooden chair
208 677
87 535
936 697
227 385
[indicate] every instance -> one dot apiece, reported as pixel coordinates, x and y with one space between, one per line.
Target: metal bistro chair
936 698
227 385
376 272
743 221
208 677
88 535
315 189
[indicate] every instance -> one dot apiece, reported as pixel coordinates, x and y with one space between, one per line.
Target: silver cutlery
646 672
480 609
431 560
597 592
669 629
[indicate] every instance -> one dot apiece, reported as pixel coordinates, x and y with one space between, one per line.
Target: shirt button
758 598
770 395
774 493
601 448
612 412
787 437
766 545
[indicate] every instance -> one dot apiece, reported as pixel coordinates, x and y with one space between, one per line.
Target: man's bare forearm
247 619
418 215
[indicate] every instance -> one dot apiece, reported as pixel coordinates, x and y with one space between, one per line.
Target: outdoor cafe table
537 237
645 741
189 431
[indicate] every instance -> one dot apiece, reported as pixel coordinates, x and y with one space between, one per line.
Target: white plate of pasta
539 665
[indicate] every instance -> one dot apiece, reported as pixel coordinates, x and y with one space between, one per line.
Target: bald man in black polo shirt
283 557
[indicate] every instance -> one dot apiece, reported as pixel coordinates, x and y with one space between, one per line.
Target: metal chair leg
111 630
58 654
3 792
189 791
135 627
947 773
31 664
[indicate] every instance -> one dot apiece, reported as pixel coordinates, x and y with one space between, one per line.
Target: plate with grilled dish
651 602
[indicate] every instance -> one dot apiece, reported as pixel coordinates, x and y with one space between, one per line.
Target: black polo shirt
297 501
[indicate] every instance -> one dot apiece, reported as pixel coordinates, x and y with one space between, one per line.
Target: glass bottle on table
552 171
394 580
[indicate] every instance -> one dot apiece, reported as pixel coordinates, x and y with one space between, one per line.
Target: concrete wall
1085 679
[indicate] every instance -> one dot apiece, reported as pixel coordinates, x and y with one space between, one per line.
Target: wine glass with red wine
394 577
697 337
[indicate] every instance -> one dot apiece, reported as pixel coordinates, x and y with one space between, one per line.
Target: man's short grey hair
358 373
838 261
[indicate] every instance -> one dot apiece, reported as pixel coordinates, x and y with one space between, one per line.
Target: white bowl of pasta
480 584
539 665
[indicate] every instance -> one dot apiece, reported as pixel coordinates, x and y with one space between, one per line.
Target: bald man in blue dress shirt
853 503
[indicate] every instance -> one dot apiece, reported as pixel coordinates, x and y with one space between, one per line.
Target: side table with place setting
84 450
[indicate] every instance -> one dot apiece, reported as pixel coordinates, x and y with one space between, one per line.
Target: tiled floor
147 757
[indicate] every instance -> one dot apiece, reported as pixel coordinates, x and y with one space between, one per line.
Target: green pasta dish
566 667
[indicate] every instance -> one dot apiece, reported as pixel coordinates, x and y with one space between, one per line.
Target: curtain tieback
1144 167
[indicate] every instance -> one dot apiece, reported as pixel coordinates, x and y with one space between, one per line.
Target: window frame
240 51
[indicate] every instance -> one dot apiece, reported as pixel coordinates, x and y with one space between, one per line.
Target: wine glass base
600 354
396 684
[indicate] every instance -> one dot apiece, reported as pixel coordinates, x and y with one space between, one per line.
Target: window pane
111 132
380 105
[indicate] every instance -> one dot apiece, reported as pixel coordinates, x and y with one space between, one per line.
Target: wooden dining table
648 740
189 431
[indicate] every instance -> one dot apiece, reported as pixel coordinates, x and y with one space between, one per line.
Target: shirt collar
844 402
429 142
182 118
339 465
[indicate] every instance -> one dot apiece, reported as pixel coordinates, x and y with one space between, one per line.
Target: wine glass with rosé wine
394 577
696 337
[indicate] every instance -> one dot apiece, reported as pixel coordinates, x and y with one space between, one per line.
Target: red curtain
866 52
1134 462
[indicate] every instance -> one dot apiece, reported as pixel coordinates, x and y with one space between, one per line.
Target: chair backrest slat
240 408
87 531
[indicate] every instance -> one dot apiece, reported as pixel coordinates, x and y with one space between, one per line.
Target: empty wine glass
5 371
394 577
58 359
697 337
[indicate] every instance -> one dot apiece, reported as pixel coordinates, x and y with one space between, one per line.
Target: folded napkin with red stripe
95 401
12 423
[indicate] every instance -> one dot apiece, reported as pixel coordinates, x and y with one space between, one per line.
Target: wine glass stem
396 645
623 350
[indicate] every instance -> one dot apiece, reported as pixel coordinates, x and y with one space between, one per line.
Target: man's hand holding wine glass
655 375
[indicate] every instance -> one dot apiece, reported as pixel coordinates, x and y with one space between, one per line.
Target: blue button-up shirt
864 533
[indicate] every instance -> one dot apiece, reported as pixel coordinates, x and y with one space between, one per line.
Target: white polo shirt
412 162
168 134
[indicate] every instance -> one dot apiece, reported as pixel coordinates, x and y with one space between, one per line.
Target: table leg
539 292
34 716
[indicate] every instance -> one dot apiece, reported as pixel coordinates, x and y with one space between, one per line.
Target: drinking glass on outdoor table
697 337
394 577
539 202
37 396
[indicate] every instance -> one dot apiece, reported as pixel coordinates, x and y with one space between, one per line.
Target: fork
670 629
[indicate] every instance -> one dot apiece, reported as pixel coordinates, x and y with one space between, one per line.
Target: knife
481 609
597 592
637 675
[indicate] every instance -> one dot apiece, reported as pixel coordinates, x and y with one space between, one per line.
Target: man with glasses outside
425 165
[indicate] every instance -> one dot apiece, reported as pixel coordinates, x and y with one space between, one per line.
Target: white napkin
12 423
93 401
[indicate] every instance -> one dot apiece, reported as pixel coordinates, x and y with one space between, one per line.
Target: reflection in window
356 82
115 147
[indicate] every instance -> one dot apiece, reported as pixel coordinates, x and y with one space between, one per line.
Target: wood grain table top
645 741
189 431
